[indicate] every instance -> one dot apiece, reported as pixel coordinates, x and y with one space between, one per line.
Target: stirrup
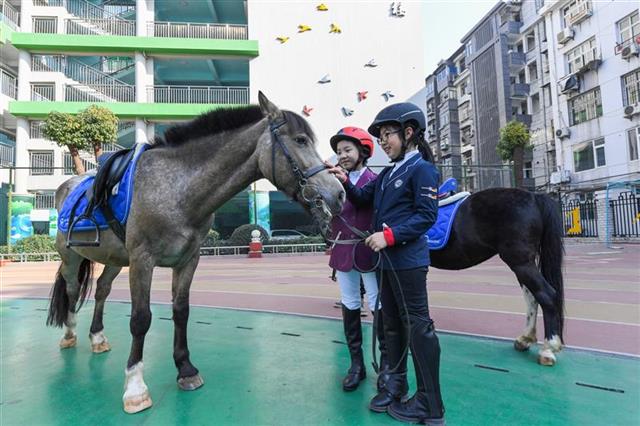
83 243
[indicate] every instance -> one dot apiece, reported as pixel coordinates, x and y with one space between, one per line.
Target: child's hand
376 242
337 171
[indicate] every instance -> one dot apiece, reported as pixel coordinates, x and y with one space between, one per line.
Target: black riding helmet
403 114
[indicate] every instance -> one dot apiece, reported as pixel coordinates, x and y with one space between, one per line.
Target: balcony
511 29
7 155
516 61
9 15
523 118
198 30
519 91
8 84
198 95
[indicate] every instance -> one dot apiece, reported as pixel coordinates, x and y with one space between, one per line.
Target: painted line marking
586 385
491 368
244 328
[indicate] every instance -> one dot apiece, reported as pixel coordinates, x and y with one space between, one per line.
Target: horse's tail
59 303
552 251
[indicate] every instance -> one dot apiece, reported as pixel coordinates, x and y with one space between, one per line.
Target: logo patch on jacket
398 183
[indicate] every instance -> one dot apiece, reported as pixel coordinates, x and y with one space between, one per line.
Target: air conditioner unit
631 110
563 176
571 84
565 35
444 146
563 133
630 51
580 15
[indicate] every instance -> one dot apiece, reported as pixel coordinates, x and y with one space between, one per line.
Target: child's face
390 141
348 155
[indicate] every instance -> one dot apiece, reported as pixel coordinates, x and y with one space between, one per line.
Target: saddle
448 203
111 169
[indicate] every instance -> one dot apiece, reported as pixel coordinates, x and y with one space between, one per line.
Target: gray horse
179 183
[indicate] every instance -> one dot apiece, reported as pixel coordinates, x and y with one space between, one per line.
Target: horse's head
289 159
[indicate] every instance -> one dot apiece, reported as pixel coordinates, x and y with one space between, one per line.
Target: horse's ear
267 107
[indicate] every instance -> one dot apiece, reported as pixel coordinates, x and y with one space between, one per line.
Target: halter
303 177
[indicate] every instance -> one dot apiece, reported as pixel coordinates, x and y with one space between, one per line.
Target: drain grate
488 367
587 385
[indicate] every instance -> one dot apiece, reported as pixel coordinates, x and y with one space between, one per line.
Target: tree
99 126
514 138
65 130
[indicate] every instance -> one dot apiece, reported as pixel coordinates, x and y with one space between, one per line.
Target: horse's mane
221 120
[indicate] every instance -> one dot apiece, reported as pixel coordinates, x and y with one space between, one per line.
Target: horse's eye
300 139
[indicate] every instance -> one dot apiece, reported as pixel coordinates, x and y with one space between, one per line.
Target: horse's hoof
190 383
68 342
547 358
521 345
98 348
136 404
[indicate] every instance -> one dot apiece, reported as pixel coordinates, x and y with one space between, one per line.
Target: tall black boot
383 372
395 386
425 407
353 334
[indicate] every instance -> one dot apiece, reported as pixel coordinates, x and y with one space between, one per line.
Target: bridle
303 177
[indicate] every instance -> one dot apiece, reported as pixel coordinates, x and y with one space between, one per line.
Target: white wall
288 73
612 125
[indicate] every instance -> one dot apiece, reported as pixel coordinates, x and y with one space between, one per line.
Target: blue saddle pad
119 201
439 233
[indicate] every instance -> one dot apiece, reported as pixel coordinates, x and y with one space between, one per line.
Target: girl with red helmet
354 262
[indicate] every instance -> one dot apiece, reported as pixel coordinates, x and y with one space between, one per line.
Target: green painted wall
156 111
66 43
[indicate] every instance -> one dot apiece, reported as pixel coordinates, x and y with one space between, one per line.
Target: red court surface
602 292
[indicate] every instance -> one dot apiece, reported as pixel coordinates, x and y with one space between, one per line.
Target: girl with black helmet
354 262
404 199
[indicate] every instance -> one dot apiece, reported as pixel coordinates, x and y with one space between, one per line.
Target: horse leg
530 277
75 273
136 394
99 342
528 336
188 377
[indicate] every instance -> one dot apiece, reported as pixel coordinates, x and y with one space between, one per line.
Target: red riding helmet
356 135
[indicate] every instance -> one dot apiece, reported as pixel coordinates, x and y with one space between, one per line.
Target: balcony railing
98 26
99 93
9 15
45 200
7 154
8 84
516 60
198 30
48 63
44 25
43 92
198 94
519 90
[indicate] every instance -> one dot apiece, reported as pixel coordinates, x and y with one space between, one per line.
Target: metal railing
97 26
67 163
41 163
111 147
99 93
8 84
45 201
43 92
30 257
198 94
83 73
44 25
625 212
198 30
9 15
48 63
36 130
79 8
580 218
7 154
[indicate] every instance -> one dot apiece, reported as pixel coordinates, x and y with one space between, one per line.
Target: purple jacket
360 218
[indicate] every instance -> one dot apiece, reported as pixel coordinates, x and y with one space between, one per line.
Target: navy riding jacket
407 202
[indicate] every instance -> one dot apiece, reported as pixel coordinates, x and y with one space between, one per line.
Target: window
581 55
576 12
429 88
589 155
533 71
40 163
546 93
628 28
464 87
441 77
585 107
444 118
535 103
539 4
527 170
633 137
531 41
631 88
462 65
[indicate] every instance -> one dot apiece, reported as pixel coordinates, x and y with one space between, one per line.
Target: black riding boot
353 334
395 386
383 372
425 406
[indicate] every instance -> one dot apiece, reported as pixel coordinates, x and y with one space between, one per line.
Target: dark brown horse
179 183
525 230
